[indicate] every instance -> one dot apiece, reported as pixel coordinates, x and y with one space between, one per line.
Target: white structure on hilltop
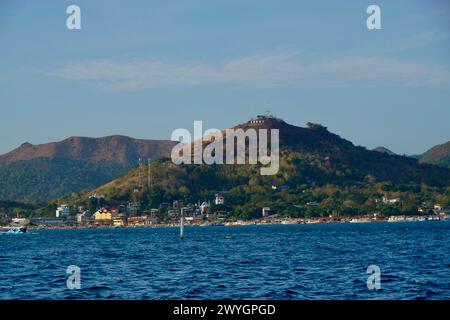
63 211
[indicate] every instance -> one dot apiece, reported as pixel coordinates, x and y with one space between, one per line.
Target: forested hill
42 172
315 166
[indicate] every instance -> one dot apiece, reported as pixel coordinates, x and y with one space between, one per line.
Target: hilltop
438 155
120 150
384 150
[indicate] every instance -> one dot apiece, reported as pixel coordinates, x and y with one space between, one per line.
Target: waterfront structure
142 220
48 222
84 217
440 210
120 221
20 221
62 211
104 215
172 213
204 207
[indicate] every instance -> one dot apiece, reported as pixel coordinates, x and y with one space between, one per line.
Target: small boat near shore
14 230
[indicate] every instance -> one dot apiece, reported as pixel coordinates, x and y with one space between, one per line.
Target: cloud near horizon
256 71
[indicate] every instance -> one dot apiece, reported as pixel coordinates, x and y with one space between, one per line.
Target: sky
146 68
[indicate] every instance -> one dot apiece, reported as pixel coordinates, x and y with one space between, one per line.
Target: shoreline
227 224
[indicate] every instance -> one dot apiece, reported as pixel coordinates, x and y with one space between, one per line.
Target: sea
381 261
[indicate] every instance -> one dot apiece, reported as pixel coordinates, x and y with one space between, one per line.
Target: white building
204 207
440 210
84 217
63 211
266 212
390 201
172 213
97 196
219 199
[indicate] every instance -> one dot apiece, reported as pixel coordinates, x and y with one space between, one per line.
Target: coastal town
200 214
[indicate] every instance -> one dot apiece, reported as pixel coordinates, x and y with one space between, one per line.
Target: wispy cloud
285 69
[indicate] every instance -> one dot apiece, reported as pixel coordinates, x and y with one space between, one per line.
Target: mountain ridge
438 155
384 150
118 149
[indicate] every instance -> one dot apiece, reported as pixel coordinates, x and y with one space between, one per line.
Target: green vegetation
13 208
320 174
43 179
311 190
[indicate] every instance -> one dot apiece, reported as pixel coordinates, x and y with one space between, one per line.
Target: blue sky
145 68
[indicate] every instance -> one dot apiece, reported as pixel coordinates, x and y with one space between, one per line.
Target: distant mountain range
45 171
120 150
438 155
42 172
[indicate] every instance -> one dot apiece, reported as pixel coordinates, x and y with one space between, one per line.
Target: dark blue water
253 262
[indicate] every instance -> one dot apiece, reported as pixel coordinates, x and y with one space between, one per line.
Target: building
120 221
142 221
104 215
266 212
219 199
20 221
63 211
172 213
281 187
260 119
440 210
256 121
204 207
84 217
132 208
97 196
48 222
390 201
188 211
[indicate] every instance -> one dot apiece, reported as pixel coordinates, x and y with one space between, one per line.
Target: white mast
182 224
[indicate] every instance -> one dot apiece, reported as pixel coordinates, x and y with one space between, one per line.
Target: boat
17 230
